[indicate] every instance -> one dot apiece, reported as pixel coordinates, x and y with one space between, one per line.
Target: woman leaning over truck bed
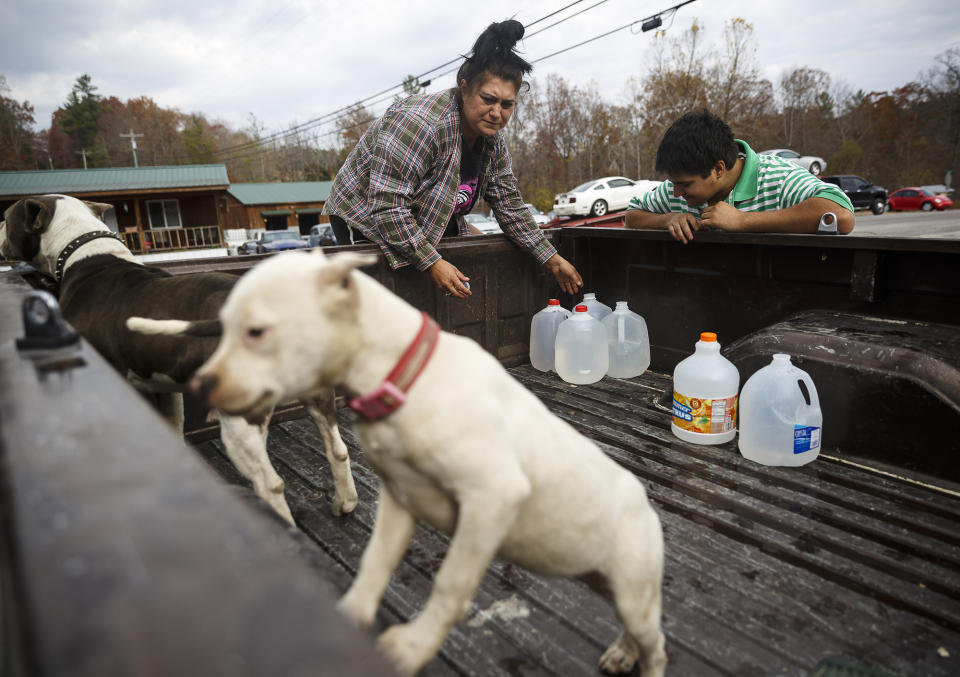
418 169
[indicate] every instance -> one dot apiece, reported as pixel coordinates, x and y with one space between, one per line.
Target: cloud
294 60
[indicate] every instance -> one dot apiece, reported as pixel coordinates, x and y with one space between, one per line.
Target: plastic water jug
705 389
780 418
543 334
594 307
627 342
581 348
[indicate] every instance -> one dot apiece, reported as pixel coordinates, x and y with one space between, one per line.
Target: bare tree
943 81
737 92
799 90
352 124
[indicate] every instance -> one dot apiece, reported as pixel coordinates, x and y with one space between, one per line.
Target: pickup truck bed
121 553
769 571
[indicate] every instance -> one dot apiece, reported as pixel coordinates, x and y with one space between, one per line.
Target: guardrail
122 553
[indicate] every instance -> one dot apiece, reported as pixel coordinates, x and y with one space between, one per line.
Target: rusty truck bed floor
768 571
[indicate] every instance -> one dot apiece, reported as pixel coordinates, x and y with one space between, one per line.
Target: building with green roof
294 205
154 208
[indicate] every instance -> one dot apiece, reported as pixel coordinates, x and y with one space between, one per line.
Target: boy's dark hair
694 143
493 54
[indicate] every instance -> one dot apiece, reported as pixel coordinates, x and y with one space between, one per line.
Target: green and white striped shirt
767 183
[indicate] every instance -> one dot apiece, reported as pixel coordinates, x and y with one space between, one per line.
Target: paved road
945 224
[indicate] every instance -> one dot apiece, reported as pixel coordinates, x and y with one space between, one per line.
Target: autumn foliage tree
561 134
17 140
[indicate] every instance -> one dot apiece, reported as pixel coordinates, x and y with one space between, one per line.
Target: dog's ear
34 215
98 208
338 267
25 221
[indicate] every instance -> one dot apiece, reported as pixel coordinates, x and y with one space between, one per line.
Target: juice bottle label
805 438
698 415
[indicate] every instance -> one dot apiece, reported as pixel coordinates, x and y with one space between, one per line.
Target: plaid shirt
399 184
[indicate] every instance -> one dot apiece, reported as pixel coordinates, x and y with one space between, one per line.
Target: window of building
163 213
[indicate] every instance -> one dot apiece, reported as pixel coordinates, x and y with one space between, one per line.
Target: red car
906 199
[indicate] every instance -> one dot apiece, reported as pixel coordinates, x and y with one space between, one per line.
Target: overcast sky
289 61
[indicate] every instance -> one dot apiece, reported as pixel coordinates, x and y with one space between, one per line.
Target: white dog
465 449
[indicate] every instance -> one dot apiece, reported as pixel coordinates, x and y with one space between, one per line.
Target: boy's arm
803 217
652 210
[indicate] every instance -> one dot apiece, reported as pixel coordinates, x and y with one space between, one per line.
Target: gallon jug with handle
780 417
595 307
581 348
705 389
627 341
543 334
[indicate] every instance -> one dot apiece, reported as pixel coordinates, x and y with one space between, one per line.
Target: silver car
485 224
813 164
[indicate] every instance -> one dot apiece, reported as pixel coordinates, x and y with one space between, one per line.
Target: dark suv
862 193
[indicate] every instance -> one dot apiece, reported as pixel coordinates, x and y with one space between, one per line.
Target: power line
566 18
253 147
419 78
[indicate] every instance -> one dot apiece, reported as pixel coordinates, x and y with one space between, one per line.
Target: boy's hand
682 226
723 216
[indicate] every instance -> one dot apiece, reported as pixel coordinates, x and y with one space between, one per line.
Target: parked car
862 193
811 163
644 186
280 240
597 197
485 224
321 235
539 217
907 199
248 247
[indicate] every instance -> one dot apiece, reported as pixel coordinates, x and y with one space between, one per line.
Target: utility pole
83 152
133 144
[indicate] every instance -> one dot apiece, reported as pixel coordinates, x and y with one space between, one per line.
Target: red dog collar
390 395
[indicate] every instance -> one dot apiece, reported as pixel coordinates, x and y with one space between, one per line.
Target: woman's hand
450 280
566 275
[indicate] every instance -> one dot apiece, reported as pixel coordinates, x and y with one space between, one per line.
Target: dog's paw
619 658
358 611
343 506
406 648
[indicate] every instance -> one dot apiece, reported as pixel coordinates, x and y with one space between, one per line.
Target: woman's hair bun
509 32
498 40
493 53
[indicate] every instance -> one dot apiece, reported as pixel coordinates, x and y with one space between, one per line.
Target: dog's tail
199 328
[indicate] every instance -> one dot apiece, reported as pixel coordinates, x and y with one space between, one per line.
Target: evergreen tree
81 113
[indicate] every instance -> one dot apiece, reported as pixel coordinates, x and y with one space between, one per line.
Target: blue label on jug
682 411
805 438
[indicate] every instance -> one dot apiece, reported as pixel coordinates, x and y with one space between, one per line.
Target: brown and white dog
102 285
457 443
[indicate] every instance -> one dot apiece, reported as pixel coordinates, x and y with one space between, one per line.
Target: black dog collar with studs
76 244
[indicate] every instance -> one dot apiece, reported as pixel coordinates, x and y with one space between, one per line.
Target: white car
485 224
539 217
599 196
813 164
